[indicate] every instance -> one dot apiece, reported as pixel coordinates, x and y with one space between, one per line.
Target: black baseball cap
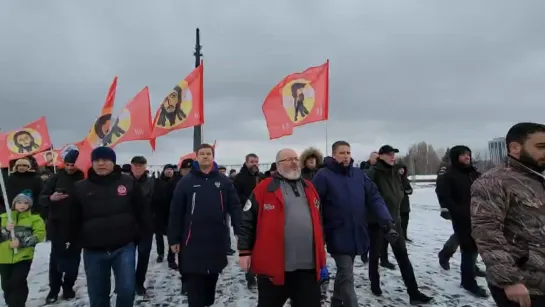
139 160
186 163
387 149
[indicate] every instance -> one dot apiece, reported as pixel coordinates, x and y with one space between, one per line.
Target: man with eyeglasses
287 253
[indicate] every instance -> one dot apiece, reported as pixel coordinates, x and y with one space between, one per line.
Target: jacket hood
196 168
311 152
404 167
455 152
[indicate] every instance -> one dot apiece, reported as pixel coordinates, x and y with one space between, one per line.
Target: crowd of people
285 220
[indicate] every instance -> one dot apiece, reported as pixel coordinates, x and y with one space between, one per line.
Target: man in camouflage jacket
508 220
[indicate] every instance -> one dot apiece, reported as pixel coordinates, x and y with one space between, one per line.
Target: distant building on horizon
497 150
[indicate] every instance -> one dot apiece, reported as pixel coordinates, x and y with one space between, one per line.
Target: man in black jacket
245 182
197 228
389 183
152 199
109 216
161 216
64 259
454 194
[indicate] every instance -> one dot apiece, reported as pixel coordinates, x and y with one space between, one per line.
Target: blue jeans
98 266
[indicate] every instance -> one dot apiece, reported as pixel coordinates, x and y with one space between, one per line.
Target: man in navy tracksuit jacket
197 227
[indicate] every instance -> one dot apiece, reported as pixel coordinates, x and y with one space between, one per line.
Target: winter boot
140 290
444 261
172 265
476 290
68 294
419 298
231 252
160 259
51 298
479 272
375 289
387 264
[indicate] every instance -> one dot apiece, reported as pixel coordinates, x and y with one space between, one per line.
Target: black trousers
405 223
13 278
502 301
376 237
301 287
160 243
144 251
201 289
63 267
462 229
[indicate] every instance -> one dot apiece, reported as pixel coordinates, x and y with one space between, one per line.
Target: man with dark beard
454 193
508 218
64 259
310 160
245 182
161 211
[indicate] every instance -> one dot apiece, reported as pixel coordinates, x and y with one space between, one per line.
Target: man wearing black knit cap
57 198
109 216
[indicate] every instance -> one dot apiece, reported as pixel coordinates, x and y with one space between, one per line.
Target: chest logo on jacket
218 184
121 190
317 203
268 207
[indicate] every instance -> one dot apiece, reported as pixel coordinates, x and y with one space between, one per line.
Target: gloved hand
390 233
445 214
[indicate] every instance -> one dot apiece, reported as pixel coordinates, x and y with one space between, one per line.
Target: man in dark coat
109 216
388 181
347 196
365 165
57 197
161 211
197 228
405 208
454 194
152 199
245 182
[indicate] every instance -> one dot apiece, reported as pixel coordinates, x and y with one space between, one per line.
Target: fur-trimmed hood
311 152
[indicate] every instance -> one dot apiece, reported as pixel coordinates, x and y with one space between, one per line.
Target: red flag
182 108
191 155
299 99
98 131
101 127
25 141
48 158
134 122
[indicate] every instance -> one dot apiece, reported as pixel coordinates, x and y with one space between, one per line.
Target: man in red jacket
287 252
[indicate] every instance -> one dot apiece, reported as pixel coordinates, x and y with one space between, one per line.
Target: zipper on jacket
221 201
191 217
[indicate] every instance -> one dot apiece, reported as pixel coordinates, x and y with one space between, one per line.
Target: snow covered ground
427 230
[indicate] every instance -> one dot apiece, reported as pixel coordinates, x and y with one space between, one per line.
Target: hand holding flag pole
6 204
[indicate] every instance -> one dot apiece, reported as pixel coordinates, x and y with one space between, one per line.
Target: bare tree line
423 159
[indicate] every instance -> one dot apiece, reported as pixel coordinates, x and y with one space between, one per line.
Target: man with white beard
287 253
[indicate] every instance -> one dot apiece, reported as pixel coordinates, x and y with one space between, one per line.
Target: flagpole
326 141
197 130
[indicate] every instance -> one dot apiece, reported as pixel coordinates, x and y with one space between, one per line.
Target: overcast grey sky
447 72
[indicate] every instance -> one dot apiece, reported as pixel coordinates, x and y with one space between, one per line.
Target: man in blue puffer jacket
197 226
347 194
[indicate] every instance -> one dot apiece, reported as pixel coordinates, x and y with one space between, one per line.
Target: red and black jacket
261 233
